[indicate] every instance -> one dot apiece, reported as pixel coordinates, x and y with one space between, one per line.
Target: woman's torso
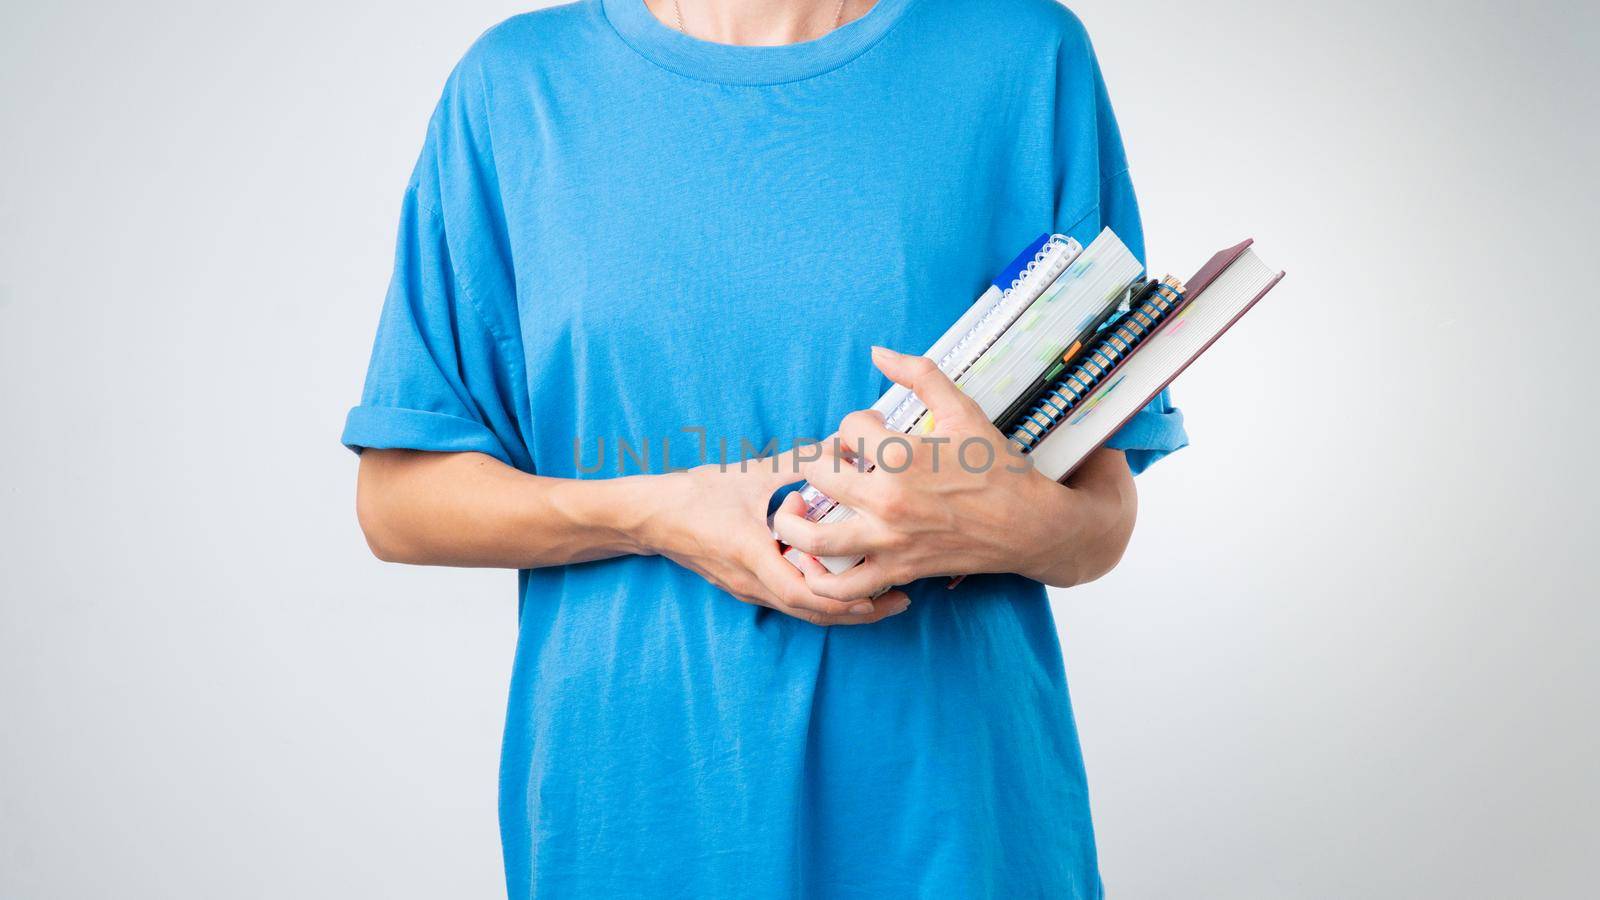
698 262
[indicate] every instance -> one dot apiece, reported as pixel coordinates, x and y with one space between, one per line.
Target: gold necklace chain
677 16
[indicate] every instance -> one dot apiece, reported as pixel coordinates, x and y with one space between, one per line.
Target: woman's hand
712 520
959 500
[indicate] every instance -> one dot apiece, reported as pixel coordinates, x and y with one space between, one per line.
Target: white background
1351 652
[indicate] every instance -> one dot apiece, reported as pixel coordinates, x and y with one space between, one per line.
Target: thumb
934 388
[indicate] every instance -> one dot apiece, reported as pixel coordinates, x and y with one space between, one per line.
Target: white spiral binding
909 408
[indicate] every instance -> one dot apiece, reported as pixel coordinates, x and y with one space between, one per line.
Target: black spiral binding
1093 364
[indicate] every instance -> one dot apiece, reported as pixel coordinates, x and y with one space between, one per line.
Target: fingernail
882 352
862 609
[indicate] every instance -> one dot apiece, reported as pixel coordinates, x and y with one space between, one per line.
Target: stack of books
1067 345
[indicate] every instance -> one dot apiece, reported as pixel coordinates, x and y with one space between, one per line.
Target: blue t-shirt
615 233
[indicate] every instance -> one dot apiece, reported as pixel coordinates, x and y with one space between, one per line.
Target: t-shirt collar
732 64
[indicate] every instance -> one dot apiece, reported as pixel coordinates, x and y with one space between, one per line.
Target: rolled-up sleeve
447 371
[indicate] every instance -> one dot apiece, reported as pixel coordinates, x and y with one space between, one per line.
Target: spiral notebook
1057 393
1084 345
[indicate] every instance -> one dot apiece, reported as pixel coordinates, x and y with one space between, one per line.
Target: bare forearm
1101 503
468 509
